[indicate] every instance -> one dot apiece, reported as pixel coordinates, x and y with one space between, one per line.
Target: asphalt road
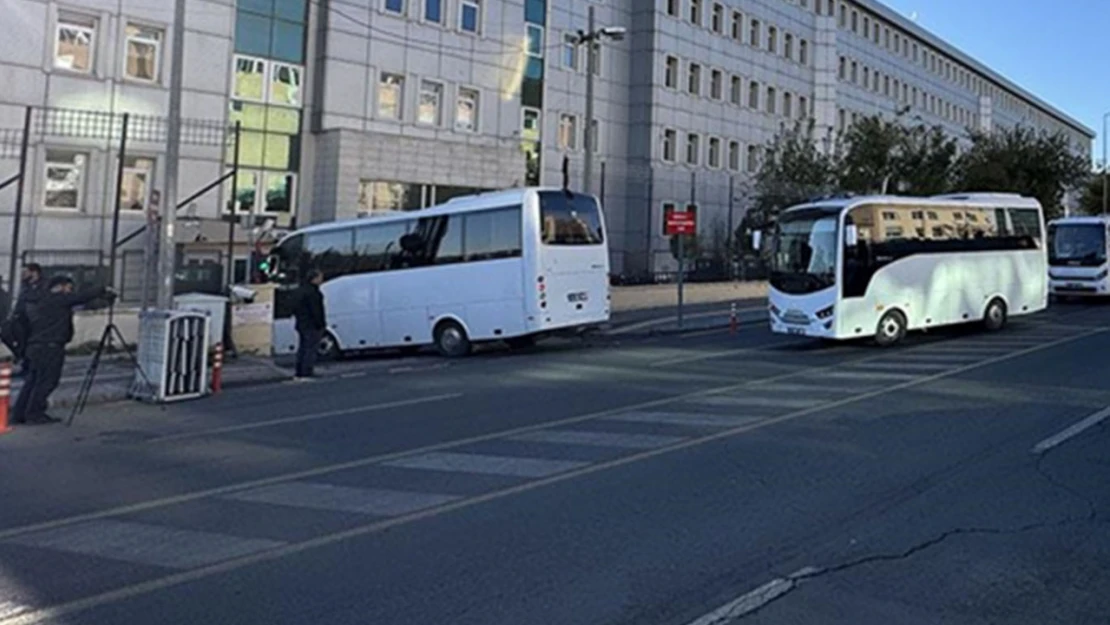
704 478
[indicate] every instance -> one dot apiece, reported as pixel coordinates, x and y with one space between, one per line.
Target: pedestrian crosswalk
400 486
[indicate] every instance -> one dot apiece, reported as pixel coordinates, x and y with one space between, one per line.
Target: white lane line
301 418
674 319
140 543
759 402
1072 431
597 439
903 366
317 496
751 601
678 360
869 376
486 465
684 418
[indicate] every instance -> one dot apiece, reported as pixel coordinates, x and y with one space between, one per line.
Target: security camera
616 33
242 294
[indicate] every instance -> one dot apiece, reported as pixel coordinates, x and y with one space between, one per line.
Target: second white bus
1077 253
881 266
508 265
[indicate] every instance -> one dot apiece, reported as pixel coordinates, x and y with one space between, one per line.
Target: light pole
591 38
1105 116
167 263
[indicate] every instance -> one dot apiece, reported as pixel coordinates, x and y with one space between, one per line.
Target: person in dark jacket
311 322
50 321
16 326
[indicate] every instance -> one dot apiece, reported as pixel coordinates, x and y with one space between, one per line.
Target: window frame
717 18
670 137
400 87
75 22
693 79
438 123
158 46
667 82
476 5
567 142
735 158
403 11
713 163
693 148
147 174
443 10
570 46
477 104
529 28
82 177
716 84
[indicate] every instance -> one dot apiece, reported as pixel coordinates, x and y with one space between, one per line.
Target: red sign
680 222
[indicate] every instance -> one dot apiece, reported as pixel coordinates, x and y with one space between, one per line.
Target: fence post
218 369
24 146
232 212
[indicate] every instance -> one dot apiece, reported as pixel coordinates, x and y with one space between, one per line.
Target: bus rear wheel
451 340
994 318
891 329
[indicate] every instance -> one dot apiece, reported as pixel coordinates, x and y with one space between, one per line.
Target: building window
430 105
568 132
144 53
771 100
672 8
855 72
470 16
285 85
693 149
788 46
772 39
753 95
855 22
570 51
866 77
391 92
433 11
718 19
670 74
787 105
75 43
693 79
716 84
535 41
753 34
803 52
866 27
595 136
395 6
596 69
734 92
737 25
714 152
670 145
531 128
135 193
843 16
842 72
803 107
65 179
734 155
695 12
466 110
753 159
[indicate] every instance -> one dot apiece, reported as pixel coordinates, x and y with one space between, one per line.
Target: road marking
317 496
903 366
484 464
751 601
761 402
870 376
177 579
139 543
658 321
803 388
597 439
952 359
301 418
684 418
1072 431
959 348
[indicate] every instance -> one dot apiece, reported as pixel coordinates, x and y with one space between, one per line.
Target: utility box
172 355
215 306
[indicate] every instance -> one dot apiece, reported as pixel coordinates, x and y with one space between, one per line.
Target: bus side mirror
851 236
757 240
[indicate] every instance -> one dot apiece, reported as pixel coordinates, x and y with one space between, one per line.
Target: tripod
111 330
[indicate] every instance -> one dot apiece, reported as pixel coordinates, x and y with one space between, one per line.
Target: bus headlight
825 313
1102 274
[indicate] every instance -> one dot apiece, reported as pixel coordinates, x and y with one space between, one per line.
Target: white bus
881 266
1077 253
507 265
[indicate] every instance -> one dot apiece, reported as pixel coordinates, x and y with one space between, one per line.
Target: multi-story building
350 107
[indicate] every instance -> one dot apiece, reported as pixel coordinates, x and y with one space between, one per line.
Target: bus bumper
823 330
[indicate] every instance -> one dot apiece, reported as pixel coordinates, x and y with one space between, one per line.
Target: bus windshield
1078 245
570 219
804 253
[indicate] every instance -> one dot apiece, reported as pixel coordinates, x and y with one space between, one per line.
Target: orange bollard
732 322
218 369
5 396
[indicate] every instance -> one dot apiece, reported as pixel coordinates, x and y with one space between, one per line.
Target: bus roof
1081 220
840 204
461 204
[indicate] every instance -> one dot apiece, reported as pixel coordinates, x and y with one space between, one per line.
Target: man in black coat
16 328
50 322
311 322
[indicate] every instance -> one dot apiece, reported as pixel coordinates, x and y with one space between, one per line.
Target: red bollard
5 396
218 369
732 322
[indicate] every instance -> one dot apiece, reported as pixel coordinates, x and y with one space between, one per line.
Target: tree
896 157
868 157
794 170
1090 197
1021 160
926 162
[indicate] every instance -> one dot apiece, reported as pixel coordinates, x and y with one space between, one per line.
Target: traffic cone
5 395
732 322
218 369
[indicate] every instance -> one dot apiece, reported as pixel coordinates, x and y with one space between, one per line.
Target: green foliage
888 155
1090 197
794 170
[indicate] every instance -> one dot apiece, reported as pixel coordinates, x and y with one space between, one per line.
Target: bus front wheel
994 318
891 330
451 340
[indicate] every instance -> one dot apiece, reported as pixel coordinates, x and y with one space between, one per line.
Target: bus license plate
798 331
581 296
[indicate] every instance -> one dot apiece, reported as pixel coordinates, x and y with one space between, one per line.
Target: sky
1051 48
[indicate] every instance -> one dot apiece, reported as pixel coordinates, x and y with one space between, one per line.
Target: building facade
352 107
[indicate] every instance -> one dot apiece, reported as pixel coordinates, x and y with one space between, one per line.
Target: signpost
680 224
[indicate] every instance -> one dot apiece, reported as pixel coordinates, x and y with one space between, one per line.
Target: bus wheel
521 342
891 330
994 318
328 349
451 340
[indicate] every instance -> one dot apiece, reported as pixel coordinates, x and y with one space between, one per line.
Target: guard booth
172 355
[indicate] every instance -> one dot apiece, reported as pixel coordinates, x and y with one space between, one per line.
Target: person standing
311 321
17 325
50 324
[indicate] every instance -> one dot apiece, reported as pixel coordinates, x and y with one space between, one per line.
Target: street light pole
167 262
588 143
1104 118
